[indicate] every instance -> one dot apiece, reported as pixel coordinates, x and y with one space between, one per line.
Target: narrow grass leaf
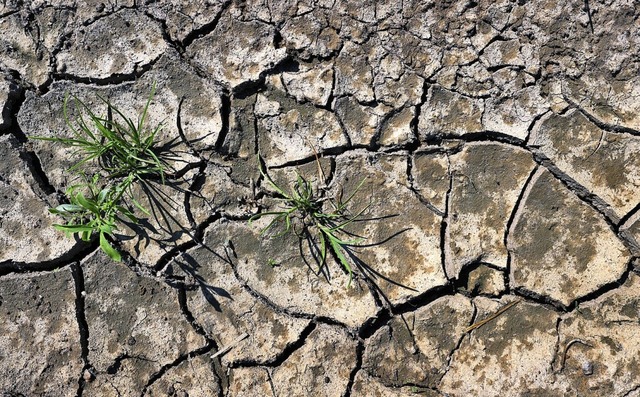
146 107
86 203
66 208
323 252
128 214
108 249
74 228
337 249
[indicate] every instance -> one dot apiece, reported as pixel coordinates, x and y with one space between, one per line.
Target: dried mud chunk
57 19
560 247
416 351
486 280
40 352
613 101
631 230
135 325
310 35
20 51
484 34
600 343
9 6
224 188
312 83
237 52
167 223
9 94
503 53
420 56
487 181
473 80
608 164
398 130
193 378
289 131
460 56
53 24
126 377
194 102
509 354
44 116
240 141
447 78
118 44
226 310
283 270
513 114
401 234
361 123
354 75
26 226
250 382
166 226
397 90
315 369
181 96
449 113
430 173
184 17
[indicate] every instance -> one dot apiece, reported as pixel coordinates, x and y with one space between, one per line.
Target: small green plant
118 152
272 262
314 217
95 212
122 149
419 390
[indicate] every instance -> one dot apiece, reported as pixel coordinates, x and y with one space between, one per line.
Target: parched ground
500 142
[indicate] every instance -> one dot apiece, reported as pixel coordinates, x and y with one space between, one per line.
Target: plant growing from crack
125 153
95 212
315 217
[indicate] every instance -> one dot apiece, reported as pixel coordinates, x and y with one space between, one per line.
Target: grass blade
74 228
108 249
337 248
86 203
146 107
66 208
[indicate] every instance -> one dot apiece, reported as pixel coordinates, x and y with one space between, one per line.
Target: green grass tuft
118 152
314 217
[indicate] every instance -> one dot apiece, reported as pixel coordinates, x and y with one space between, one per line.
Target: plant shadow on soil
189 266
361 269
162 224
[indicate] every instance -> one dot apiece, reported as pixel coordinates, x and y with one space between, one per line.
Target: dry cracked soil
499 142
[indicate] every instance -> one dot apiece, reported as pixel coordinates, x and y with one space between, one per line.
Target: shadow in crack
191 267
161 216
310 247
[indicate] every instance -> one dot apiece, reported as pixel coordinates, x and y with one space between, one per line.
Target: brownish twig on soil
491 317
224 350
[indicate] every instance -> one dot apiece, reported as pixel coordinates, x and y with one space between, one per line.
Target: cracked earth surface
500 144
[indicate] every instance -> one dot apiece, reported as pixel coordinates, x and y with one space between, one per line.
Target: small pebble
88 376
587 368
